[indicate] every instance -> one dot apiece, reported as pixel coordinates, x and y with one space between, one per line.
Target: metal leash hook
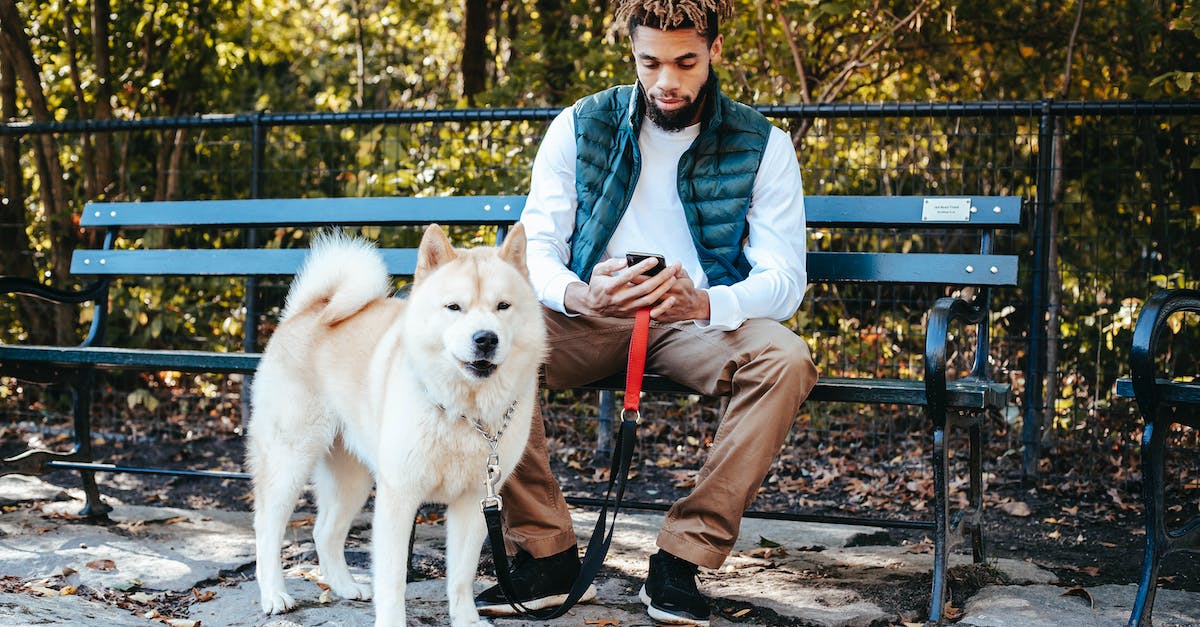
491 481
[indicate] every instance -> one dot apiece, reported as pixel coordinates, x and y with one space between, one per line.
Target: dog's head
474 309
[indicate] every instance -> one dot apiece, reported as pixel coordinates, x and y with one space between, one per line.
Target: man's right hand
618 291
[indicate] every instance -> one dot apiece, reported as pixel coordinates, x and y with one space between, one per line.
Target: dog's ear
513 250
435 250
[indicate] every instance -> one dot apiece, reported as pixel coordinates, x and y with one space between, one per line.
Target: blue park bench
963 401
1154 392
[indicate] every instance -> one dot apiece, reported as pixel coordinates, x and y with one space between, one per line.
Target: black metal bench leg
975 493
1153 452
81 400
941 543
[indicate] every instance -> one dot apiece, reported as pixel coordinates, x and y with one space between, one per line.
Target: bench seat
1172 392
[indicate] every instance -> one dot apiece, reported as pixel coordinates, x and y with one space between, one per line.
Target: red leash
637 363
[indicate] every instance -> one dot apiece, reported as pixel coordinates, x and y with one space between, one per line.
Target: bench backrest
979 215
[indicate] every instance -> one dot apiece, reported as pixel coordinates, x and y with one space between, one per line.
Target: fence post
1034 406
250 337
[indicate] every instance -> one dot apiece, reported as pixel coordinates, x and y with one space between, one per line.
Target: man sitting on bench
671 166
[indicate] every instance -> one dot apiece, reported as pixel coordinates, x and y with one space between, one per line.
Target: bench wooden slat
821 211
912 268
961 394
906 268
214 262
1168 391
873 211
304 212
135 358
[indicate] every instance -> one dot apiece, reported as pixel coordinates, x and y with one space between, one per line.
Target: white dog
357 388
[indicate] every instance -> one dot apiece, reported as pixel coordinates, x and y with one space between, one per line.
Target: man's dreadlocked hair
703 15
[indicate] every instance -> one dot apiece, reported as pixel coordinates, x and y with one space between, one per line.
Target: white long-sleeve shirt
655 223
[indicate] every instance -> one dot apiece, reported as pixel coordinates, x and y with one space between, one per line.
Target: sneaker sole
506 609
666 617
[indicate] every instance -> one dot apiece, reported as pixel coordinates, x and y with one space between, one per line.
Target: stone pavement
198 566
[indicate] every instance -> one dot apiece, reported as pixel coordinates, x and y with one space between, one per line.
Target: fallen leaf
128 585
103 565
143 597
1016 508
770 544
1079 591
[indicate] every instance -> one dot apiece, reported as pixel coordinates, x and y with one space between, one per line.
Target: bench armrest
1151 322
945 311
29 287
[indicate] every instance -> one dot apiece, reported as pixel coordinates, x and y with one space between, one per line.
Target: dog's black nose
485 343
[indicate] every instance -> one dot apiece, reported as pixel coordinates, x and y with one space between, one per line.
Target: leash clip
493 479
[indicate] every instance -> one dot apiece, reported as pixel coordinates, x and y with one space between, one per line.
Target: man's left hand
683 301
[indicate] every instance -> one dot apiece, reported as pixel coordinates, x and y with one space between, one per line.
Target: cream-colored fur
358 389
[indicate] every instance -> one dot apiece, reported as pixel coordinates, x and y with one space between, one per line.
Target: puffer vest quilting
715 178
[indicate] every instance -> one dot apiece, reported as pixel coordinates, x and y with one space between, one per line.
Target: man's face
672 66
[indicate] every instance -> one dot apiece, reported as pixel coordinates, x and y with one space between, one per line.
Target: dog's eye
503 305
454 307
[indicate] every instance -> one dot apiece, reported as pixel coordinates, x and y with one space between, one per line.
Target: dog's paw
352 590
477 622
277 603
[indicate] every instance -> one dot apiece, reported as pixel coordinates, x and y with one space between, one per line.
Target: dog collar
491 479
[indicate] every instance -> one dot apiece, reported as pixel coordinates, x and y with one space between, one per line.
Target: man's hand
618 291
682 301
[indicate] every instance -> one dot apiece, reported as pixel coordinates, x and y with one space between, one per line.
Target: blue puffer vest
716 176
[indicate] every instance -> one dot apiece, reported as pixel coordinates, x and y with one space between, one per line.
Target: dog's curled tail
342 274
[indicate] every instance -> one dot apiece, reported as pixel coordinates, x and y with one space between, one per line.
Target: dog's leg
341 484
280 470
391 527
465 533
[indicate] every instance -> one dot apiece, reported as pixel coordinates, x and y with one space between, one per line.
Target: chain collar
492 478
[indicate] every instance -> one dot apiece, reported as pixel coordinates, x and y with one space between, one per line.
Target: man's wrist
575 298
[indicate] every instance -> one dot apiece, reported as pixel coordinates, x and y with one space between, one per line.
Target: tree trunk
475 50
14 43
556 34
90 184
104 106
1054 277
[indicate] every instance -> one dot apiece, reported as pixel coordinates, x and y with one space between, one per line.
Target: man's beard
677 120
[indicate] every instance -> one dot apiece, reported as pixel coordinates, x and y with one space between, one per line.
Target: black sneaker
538 584
670 592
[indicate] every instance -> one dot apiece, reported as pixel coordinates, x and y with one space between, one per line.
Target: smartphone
634 258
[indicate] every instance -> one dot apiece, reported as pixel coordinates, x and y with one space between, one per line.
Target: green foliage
1125 192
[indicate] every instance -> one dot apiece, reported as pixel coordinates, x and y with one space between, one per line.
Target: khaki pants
764 368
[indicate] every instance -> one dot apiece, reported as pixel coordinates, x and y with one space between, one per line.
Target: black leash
618 477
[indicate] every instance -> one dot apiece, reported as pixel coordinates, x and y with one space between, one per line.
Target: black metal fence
1114 211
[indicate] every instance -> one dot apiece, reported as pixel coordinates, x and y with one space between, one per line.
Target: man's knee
788 359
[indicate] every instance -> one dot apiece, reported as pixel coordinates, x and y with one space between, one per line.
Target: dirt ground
1088 533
